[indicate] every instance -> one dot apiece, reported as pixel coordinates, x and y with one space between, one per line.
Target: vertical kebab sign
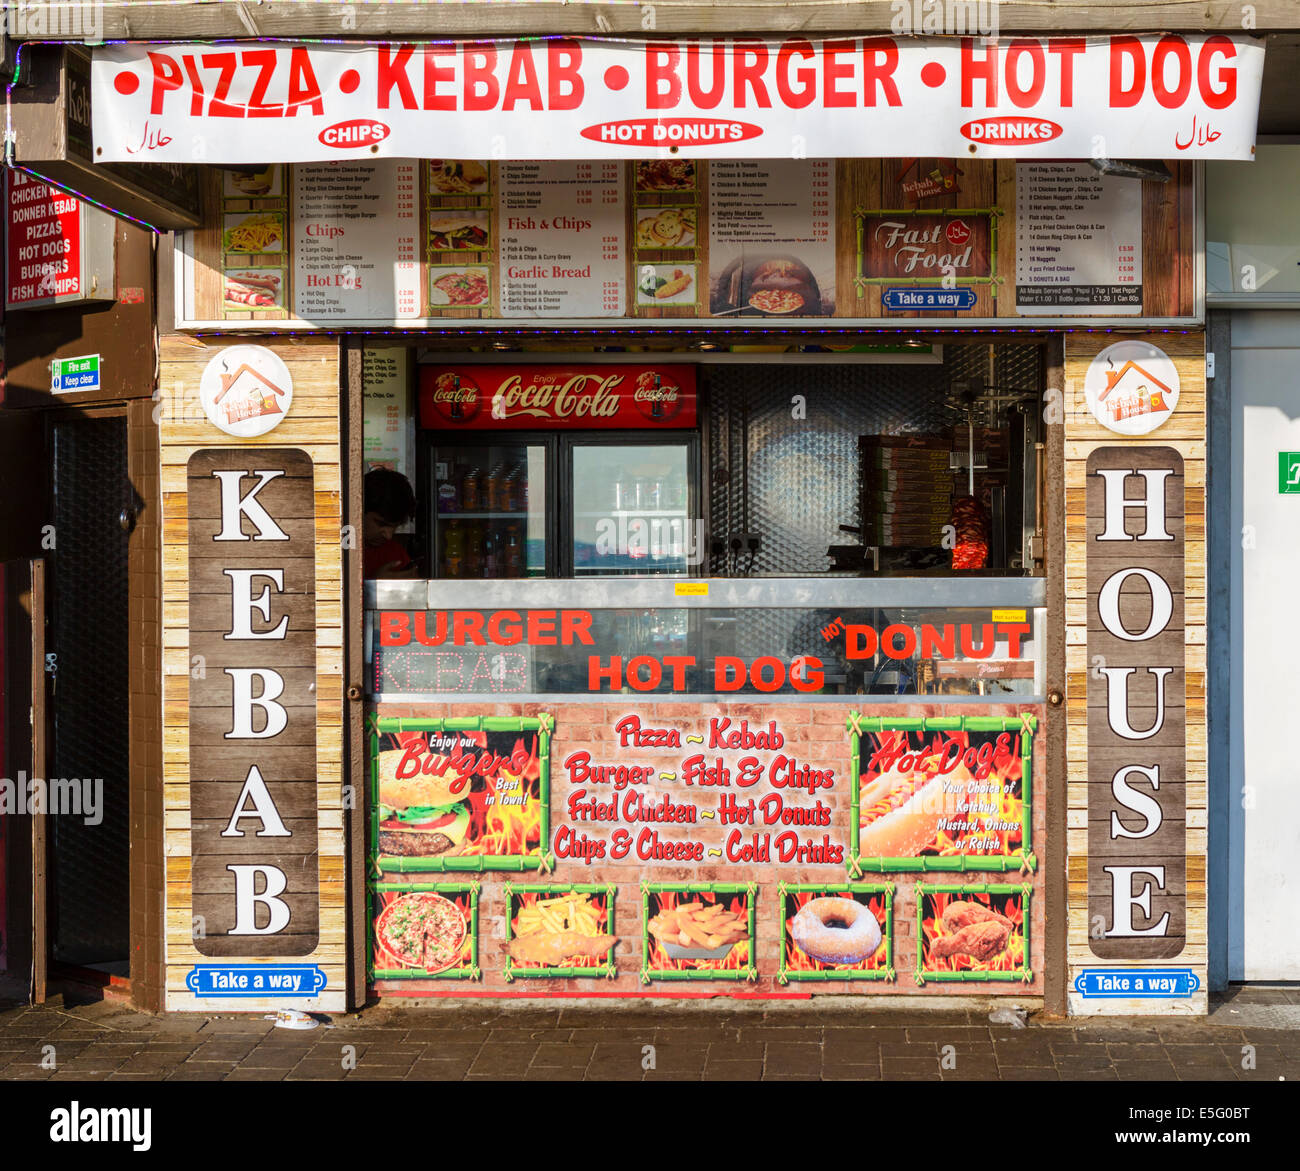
252 714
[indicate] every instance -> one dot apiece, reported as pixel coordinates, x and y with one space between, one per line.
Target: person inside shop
390 503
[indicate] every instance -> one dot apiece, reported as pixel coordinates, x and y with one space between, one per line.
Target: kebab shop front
759 576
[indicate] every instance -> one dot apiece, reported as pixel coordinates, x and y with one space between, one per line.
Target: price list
356 229
772 232
1078 241
561 231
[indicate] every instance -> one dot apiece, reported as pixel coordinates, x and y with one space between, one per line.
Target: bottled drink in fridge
471 491
474 550
453 555
491 554
514 553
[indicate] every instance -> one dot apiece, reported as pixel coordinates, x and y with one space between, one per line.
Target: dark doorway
89 694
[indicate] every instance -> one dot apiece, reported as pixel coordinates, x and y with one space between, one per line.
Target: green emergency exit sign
1288 473
69 374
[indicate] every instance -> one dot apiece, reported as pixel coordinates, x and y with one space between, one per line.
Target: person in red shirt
389 503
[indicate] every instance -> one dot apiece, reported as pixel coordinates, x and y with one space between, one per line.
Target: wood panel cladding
204 773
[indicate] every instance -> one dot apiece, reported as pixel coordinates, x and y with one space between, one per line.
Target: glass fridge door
489 510
632 510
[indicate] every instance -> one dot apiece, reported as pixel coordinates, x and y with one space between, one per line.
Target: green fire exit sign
1288 473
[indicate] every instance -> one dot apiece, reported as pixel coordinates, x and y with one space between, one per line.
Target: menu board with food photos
772 239
401 243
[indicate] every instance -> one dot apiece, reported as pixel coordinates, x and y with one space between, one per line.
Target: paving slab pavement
1250 1035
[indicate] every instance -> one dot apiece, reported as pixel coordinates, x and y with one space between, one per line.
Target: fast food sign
568 397
1152 96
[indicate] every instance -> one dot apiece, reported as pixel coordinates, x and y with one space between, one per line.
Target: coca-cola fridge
573 471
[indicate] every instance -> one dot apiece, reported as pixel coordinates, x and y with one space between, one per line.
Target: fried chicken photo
981 941
959 914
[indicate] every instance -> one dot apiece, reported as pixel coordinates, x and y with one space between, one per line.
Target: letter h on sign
1137 842
252 718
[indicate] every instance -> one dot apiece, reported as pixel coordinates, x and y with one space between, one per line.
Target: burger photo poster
931 794
836 933
463 794
973 933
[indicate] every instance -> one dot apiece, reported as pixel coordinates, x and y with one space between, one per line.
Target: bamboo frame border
888 973
608 970
474 972
749 889
1025 973
543 724
1026 861
864 283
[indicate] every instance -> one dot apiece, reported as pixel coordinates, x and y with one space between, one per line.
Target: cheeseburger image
419 817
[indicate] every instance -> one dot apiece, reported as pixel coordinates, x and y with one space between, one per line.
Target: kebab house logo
595 397
1131 387
246 391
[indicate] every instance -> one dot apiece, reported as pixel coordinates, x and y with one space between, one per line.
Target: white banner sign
1170 96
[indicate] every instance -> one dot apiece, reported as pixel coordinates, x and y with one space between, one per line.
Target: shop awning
1118 96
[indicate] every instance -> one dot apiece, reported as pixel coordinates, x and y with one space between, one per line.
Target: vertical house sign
1137 837
252 717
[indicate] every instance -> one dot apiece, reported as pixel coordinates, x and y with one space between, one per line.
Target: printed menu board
772 238
420 244
562 250
1078 241
355 232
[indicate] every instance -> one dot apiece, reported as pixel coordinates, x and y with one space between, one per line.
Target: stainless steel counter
760 593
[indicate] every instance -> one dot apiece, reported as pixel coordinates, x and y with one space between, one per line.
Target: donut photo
933 796
837 933
972 933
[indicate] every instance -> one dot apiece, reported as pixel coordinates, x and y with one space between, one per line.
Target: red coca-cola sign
551 397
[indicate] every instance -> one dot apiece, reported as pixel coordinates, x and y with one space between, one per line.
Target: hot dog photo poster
935 793
973 933
836 933
464 794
